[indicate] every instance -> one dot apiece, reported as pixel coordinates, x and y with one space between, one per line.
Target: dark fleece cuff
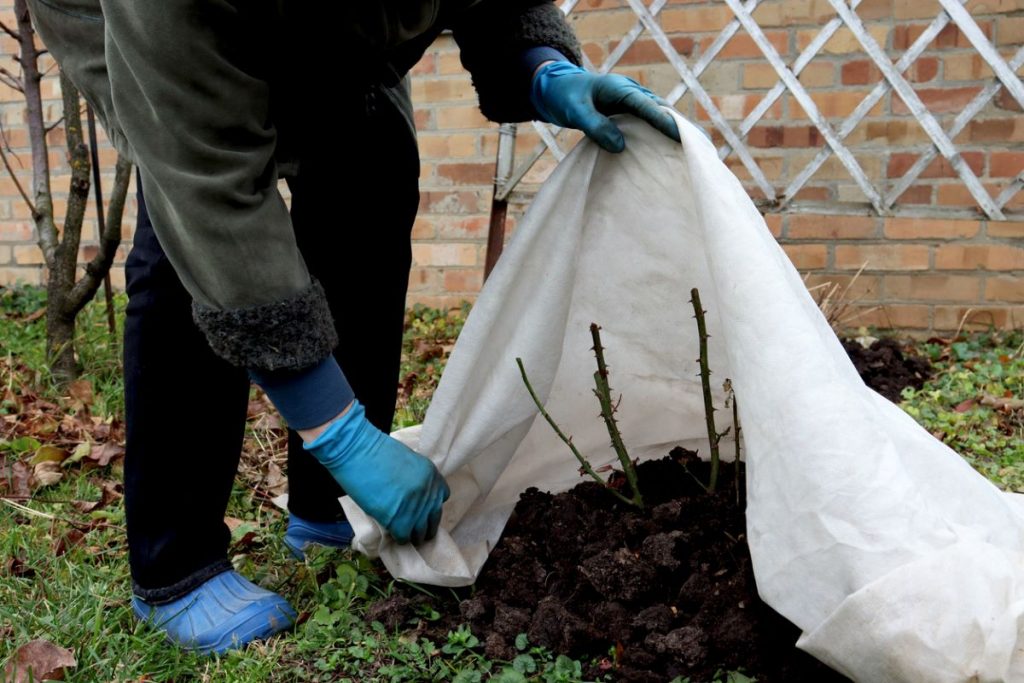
289 334
492 47
307 398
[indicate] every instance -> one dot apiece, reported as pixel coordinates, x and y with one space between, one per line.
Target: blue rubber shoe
302 533
226 612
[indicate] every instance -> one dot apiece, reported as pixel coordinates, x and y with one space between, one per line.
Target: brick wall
921 274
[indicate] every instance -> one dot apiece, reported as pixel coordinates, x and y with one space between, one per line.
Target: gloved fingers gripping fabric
566 95
396 486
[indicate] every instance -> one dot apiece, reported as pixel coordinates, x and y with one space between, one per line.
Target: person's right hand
396 486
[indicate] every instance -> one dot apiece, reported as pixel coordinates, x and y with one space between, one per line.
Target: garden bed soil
640 595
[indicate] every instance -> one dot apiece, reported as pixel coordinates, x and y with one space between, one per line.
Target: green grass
64 572
968 404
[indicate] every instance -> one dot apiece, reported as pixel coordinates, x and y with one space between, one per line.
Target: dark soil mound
888 367
669 589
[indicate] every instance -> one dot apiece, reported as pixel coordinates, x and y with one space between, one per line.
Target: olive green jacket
206 97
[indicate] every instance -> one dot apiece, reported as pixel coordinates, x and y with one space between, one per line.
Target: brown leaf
49 454
104 453
38 660
276 482
1002 403
16 566
34 315
233 522
21 474
111 491
81 390
964 406
69 540
47 473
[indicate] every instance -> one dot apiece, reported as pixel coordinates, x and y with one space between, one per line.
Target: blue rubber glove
571 97
390 482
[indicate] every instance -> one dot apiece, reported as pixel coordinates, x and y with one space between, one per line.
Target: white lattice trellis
879 200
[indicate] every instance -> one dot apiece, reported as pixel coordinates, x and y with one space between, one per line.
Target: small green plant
714 436
603 392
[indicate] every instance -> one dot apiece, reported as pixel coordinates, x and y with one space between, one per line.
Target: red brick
16 231
882 257
1005 164
774 223
433 254
916 194
468 174
949 318
426 65
891 316
448 202
983 256
924 69
424 119
895 132
765 136
802 136
1004 288
997 130
742 46
28 255
807 256
844 288
475 227
860 72
1005 229
932 287
923 228
1004 100
13 275
423 228
938 100
646 51
813 194
423 279
804 226
463 280
901 162
449 118
905 34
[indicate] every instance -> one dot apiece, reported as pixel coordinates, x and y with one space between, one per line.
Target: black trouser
354 200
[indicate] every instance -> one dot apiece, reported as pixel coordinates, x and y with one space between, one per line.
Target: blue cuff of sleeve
309 397
535 56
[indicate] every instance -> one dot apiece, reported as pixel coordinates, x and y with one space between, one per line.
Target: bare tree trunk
66 297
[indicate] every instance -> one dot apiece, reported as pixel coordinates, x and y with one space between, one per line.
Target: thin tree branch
17 183
42 213
11 80
9 31
85 289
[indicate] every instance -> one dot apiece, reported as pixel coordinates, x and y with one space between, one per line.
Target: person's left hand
571 97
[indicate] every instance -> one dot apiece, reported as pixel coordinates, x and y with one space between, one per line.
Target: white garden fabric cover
895 558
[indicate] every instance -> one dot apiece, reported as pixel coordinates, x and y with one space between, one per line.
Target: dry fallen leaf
276 482
47 473
18 485
38 660
81 390
104 453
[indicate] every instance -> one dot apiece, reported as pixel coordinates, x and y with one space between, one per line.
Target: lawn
63 559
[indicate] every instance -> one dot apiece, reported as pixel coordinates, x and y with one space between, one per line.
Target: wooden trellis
879 201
